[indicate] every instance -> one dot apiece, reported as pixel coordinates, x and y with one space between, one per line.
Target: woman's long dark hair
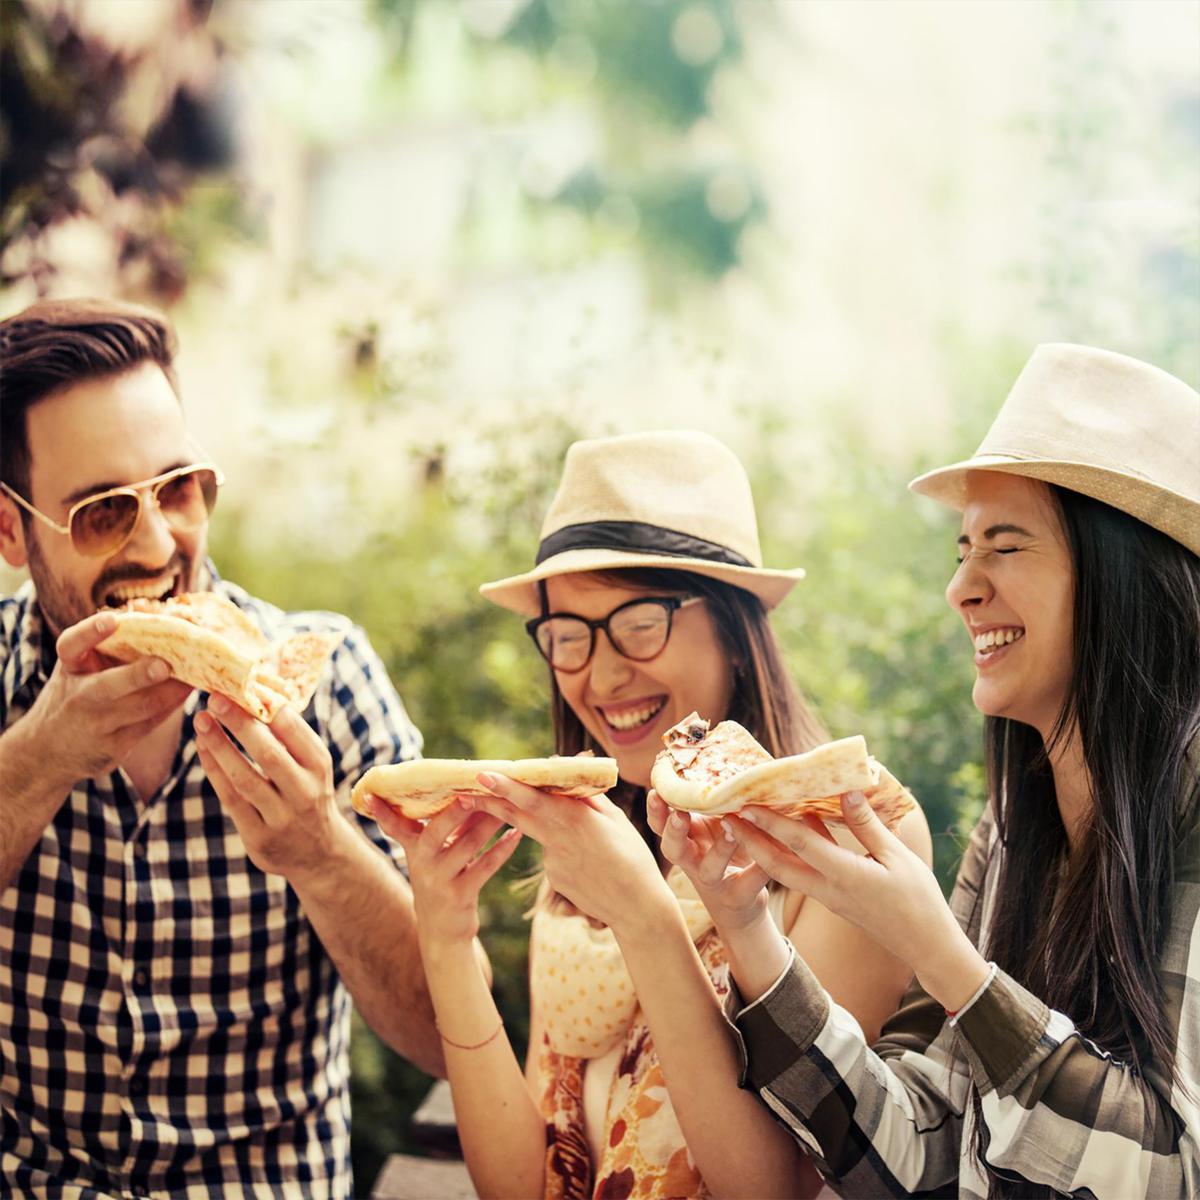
764 701
1090 946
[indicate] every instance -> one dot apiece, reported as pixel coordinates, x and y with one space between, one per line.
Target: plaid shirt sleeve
888 1120
364 723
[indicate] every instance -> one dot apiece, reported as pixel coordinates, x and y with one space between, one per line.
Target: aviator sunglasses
100 525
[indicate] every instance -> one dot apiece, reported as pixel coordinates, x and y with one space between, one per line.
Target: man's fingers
112 684
151 703
245 816
213 743
261 745
75 645
299 739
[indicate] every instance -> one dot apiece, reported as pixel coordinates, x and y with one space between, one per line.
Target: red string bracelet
477 1045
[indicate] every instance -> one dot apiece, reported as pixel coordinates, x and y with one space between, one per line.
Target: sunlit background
415 247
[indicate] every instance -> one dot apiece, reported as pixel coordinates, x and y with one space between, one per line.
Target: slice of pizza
722 769
209 642
423 787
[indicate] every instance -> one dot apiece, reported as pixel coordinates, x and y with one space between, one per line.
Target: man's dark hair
54 344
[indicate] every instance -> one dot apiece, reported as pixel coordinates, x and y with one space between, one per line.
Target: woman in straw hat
648 600
1051 1042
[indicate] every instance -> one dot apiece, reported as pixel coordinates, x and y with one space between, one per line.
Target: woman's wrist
952 970
758 955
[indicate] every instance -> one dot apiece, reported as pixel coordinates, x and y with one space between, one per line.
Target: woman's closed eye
975 553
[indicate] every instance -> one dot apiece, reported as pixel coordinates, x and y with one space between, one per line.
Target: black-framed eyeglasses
637 629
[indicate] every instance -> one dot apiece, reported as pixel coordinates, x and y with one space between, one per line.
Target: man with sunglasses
180 919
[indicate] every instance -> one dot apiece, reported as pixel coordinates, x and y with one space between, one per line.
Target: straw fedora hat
1111 427
673 499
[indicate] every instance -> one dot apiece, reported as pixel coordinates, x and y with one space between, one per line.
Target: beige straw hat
1111 427
674 499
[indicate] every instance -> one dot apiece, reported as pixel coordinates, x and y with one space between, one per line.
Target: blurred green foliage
645 72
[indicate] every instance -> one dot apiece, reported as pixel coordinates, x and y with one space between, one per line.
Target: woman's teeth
986 643
631 718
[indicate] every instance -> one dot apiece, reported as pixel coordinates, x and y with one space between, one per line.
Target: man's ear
12 534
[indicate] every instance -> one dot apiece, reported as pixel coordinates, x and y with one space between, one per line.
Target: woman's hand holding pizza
446 867
889 892
732 886
591 851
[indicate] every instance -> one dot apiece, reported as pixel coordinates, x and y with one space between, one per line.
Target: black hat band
636 537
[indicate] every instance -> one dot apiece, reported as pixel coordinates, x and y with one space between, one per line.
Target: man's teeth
155 590
995 638
631 718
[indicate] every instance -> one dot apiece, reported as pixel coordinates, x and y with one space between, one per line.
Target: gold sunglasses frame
153 485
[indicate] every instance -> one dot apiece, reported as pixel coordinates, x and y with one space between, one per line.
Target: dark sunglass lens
640 631
100 527
564 642
187 499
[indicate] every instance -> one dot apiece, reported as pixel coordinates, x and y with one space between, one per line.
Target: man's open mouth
161 587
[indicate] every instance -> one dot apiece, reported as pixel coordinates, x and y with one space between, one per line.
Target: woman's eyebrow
992 531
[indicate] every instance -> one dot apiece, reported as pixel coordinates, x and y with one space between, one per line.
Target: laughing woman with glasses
648 601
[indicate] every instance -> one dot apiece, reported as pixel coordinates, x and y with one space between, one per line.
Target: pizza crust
697 773
423 787
208 642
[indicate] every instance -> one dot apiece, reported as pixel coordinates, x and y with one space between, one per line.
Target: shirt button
141 977
139 849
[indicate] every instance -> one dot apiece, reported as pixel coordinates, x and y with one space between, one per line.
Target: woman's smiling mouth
994 643
629 721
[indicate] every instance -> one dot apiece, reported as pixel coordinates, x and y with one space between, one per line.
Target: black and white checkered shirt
170 1025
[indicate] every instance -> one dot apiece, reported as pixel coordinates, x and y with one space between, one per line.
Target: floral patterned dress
585 999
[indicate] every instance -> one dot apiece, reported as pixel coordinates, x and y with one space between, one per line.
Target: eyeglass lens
638 632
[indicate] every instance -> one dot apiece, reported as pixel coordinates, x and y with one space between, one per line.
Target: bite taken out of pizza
722 769
209 642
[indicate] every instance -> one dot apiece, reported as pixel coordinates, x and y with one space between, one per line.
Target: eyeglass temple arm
41 516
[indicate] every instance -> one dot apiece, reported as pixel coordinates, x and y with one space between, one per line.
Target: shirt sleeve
1058 1110
364 724
881 1121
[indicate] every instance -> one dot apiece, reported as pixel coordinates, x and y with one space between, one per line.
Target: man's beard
64 605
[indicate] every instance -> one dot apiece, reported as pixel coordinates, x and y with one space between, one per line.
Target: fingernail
204 723
488 780
106 623
747 815
369 805
219 705
855 800
676 821
159 670
727 830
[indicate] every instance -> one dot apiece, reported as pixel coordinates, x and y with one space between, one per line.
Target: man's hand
91 714
279 793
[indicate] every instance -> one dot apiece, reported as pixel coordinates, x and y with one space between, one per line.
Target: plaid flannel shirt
895 1119
170 1024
